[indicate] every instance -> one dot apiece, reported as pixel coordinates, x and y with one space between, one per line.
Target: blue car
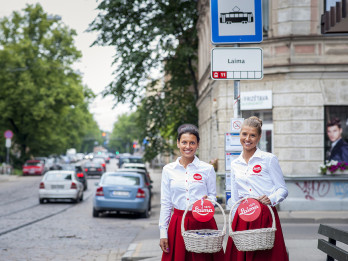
122 191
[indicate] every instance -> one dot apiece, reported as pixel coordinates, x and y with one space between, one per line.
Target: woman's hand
264 200
205 197
164 245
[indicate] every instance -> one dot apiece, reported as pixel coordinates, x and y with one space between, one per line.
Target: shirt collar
257 154
335 142
195 162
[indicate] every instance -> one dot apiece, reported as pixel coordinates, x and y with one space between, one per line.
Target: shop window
266 142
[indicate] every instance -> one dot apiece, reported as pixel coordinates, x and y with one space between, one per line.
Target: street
67 231
62 231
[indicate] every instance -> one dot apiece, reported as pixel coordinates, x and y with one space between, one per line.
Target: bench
329 247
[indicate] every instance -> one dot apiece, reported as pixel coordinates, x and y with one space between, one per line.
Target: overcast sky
96 61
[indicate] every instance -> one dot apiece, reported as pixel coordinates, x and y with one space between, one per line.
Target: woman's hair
333 122
188 128
254 122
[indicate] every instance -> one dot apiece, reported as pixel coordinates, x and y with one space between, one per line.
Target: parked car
93 168
122 191
60 184
147 179
33 167
129 159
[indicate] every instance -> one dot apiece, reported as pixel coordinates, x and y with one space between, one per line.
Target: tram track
37 219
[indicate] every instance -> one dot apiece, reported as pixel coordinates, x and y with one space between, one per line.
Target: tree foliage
152 35
124 133
42 99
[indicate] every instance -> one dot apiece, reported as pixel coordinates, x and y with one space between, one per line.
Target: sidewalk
149 250
7 177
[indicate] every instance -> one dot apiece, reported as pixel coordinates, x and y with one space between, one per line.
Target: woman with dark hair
256 173
339 148
179 188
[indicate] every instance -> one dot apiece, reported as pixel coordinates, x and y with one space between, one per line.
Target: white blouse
262 175
181 187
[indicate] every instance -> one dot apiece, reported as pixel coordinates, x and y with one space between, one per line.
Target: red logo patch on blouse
257 169
197 176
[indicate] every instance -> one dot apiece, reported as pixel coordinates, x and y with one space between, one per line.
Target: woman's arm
166 205
211 184
276 174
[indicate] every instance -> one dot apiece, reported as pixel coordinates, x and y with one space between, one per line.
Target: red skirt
277 253
177 251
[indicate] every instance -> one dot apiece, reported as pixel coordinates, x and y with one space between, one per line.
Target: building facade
306 73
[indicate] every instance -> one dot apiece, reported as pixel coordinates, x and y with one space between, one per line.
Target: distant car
122 191
93 168
60 184
33 167
129 159
136 166
101 161
147 179
112 155
80 175
104 156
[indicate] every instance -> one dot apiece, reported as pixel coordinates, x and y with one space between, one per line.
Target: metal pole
236 105
8 156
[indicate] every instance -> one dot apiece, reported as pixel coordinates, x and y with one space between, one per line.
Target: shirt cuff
273 200
163 233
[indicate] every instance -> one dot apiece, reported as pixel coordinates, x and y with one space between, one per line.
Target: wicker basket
253 239
203 240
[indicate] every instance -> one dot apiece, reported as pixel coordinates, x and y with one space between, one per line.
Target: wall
305 72
324 193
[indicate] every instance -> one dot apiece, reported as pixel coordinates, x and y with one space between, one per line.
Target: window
330 3
265 16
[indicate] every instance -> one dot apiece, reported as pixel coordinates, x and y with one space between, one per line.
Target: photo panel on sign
232 142
228 181
237 21
229 157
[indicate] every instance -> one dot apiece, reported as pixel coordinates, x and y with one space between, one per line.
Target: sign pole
236 107
8 156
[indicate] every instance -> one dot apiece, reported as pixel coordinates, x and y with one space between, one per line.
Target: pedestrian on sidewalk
179 188
256 173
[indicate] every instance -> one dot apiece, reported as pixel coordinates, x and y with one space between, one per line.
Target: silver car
60 184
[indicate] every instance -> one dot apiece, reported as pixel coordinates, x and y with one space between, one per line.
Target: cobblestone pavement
60 231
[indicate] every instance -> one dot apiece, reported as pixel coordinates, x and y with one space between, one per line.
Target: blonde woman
257 173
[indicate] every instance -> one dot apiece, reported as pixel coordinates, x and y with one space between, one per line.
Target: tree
124 133
42 99
151 35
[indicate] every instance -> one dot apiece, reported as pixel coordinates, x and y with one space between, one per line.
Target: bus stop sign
238 21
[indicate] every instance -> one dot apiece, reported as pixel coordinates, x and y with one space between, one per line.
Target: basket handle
230 215
212 201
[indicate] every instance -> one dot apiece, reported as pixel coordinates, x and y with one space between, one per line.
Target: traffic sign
236 63
238 21
8 134
8 143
